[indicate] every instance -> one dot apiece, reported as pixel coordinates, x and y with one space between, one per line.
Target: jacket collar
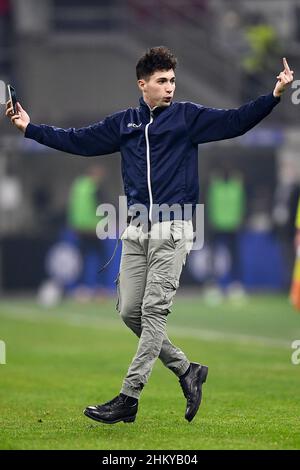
156 111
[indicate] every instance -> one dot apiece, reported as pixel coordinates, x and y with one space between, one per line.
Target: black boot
191 384
121 408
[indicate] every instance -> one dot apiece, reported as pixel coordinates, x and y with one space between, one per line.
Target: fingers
285 78
282 77
8 108
9 111
15 117
287 70
19 107
286 65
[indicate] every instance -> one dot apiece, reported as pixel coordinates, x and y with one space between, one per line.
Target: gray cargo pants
147 282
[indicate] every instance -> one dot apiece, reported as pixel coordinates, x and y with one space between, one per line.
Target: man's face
159 88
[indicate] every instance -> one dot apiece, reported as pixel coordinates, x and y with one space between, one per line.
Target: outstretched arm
98 139
210 124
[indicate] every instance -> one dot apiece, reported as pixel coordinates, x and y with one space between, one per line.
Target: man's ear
141 84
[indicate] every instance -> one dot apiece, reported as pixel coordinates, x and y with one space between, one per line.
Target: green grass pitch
61 359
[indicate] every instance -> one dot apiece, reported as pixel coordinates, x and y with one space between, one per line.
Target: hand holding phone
15 112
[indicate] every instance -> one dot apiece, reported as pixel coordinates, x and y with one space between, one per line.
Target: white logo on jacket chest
132 124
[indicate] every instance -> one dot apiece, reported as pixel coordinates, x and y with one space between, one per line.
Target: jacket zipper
148 165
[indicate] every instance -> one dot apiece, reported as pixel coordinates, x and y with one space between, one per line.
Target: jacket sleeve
210 124
97 139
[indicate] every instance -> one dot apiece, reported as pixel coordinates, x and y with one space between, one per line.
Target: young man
158 142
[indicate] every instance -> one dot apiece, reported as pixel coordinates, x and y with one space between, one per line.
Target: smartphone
12 97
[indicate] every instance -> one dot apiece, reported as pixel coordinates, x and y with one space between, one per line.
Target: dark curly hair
156 58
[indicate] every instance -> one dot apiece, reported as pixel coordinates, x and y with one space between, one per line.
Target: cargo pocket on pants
161 292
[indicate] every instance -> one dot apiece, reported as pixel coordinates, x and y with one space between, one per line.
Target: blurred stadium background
73 63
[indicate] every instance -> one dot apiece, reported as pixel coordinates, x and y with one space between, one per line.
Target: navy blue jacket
159 148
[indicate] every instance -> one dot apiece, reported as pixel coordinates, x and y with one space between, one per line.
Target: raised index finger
286 65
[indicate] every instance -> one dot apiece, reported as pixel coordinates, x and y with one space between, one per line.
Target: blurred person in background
158 141
226 203
86 194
